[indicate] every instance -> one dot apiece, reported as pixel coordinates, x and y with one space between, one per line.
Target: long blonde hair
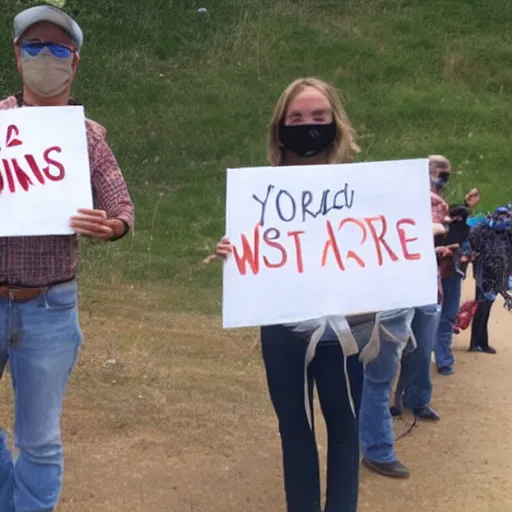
344 147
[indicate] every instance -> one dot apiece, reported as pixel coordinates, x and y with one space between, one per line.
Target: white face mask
47 75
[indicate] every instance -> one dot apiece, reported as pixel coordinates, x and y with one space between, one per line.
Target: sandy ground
176 418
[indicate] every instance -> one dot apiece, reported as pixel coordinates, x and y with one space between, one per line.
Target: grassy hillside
185 95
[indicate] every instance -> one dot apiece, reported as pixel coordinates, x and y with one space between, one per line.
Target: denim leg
450 308
4 335
416 364
342 426
40 363
6 463
375 422
284 355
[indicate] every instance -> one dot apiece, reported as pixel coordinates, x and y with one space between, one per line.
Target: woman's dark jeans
479 328
284 356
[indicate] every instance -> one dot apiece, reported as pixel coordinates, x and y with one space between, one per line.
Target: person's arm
113 216
222 251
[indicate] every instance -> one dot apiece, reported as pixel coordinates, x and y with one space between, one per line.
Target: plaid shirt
440 211
439 208
38 261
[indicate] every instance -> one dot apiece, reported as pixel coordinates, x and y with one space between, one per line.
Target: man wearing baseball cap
39 331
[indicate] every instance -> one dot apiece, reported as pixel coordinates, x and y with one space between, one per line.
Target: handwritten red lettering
332 244
18 171
11 139
269 236
379 238
404 241
21 175
50 161
14 170
351 253
249 256
35 168
298 249
8 175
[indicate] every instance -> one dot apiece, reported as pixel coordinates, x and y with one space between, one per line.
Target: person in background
452 260
40 334
492 243
414 384
310 127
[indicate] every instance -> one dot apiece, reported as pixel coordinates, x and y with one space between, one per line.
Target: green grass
185 96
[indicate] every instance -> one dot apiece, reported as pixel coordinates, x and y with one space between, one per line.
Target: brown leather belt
20 294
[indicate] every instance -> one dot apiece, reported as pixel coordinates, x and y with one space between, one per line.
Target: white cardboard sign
312 241
44 170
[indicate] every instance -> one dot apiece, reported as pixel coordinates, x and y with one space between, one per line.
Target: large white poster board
44 170
327 240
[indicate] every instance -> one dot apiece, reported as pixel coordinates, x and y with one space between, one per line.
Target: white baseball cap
33 15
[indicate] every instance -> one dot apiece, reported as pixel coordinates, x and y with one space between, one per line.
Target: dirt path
464 463
169 413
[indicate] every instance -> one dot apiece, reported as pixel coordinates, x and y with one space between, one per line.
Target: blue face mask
500 221
501 225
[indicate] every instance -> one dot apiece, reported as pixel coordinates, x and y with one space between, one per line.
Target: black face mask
307 140
441 180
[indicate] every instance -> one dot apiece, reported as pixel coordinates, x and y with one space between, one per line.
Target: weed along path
168 413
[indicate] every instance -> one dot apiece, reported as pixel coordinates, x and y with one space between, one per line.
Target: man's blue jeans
42 338
452 286
415 379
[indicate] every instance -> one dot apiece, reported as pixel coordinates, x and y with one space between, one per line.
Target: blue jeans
452 287
284 356
376 424
42 338
415 381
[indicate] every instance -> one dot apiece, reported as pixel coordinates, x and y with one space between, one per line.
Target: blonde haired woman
310 126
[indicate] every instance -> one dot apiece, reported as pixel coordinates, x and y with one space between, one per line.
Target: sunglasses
34 48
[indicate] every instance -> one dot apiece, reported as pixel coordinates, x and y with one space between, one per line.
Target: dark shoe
392 469
445 370
426 413
489 350
476 348
395 411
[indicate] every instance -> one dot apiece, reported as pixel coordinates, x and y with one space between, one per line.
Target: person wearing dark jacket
492 243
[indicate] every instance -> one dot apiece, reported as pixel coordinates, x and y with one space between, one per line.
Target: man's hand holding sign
97 225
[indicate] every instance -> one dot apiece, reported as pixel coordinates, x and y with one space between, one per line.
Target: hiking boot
393 469
426 413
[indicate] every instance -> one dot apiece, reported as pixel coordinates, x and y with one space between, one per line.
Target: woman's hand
222 251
